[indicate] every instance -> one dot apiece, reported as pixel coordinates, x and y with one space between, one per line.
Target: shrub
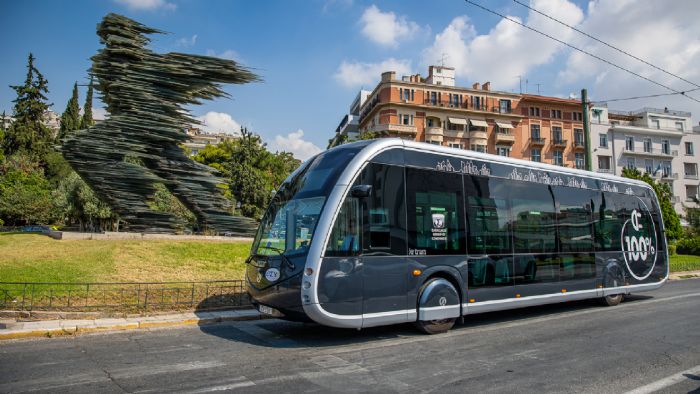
688 246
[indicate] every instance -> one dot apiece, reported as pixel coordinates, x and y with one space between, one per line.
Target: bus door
489 240
383 241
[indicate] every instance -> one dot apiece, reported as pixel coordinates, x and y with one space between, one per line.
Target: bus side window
488 216
435 212
385 219
534 218
345 238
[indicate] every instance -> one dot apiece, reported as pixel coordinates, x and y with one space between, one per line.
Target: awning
502 125
478 123
461 121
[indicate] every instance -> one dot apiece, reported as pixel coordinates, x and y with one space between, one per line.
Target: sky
314 56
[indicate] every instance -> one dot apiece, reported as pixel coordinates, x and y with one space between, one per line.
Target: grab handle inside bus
361 191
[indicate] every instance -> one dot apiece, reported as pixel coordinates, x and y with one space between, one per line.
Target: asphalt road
650 342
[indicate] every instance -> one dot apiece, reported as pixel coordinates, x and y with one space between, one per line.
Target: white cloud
355 74
219 122
385 28
664 33
147 5
186 42
99 113
229 54
507 50
294 143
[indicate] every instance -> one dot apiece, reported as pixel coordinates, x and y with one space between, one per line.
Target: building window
679 126
558 158
629 143
430 122
504 106
647 145
577 116
433 98
578 157
649 166
556 134
435 142
691 193
457 145
691 170
534 111
476 103
666 147
555 114
666 167
603 140
454 126
655 123
578 137
503 151
406 119
630 163
536 155
535 131
478 148
604 163
689 149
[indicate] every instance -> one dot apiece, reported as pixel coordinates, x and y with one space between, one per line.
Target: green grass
37 258
681 262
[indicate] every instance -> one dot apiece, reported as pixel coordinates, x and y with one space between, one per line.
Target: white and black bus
391 231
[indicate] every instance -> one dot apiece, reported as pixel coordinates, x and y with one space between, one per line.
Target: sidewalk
51 328
684 275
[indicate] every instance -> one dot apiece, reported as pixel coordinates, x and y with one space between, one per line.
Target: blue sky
315 55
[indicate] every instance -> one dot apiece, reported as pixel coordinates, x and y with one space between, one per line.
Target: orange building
551 131
433 110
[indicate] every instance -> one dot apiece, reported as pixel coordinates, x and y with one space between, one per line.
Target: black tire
615 299
434 326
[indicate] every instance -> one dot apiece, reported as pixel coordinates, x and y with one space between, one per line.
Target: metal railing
47 296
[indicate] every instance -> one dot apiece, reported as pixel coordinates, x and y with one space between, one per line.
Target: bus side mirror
361 191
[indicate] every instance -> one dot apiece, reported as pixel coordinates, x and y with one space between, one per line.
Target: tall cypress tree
28 132
87 120
70 119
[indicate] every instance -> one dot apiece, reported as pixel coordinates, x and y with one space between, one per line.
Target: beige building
200 139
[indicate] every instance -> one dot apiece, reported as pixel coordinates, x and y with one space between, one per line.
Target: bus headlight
306 285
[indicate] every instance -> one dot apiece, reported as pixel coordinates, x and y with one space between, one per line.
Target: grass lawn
681 262
37 258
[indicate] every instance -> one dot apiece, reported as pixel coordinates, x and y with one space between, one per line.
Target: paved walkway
50 328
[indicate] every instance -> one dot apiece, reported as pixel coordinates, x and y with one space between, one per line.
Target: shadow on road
277 333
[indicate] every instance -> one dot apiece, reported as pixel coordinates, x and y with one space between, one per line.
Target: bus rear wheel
435 326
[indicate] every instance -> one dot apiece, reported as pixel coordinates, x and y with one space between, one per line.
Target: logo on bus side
639 244
439 232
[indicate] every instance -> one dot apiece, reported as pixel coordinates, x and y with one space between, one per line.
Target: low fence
137 297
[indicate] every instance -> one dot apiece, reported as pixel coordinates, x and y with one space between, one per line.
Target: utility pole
586 129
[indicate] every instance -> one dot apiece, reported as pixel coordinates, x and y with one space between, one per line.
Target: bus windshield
289 222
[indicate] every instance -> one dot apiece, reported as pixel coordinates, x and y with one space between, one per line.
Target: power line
582 51
641 97
606 44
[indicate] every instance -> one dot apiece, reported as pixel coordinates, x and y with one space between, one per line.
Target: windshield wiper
281 253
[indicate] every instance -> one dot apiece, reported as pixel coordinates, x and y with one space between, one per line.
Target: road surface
651 342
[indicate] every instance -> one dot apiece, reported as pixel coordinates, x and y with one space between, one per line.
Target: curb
77 327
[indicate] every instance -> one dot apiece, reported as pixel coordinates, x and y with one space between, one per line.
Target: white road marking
666 382
238 382
140 371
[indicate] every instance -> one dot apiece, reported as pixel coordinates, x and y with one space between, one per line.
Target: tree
77 203
251 170
86 121
70 119
672 222
28 132
25 194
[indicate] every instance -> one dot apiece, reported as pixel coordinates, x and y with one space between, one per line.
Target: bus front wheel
438 306
612 279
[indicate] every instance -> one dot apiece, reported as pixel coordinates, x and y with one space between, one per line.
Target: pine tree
87 120
28 132
70 120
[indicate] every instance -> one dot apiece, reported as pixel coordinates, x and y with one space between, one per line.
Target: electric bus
391 231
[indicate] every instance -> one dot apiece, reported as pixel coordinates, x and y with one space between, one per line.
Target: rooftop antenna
442 59
538 88
526 81
520 78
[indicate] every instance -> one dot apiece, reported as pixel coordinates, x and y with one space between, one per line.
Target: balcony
456 133
605 170
559 143
669 176
479 134
579 145
394 128
691 176
500 110
433 131
675 199
507 138
651 152
536 141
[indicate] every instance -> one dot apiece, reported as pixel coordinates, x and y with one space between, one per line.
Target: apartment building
660 142
200 139
434 110
349 127
551 131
